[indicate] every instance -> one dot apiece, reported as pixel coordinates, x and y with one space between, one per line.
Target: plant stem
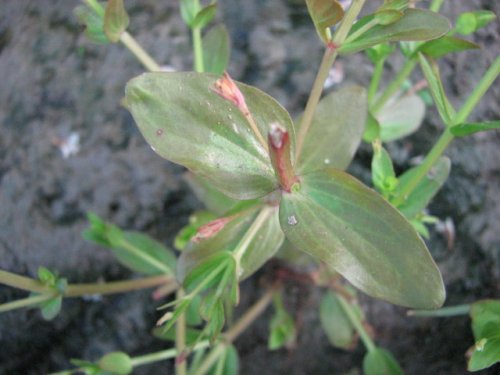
22 282
163 355
446 138
114 287
436 5
375 82
25 302
139 52
365 337
484 84
242 246
198 50
425 167
441 313
241 325
394 86
180 337
78 290
324 69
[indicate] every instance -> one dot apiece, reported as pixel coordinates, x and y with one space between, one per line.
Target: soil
55 84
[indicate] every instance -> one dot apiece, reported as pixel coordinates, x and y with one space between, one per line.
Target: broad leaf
189 8
324 13
383 175
117 363
187 123
469 22
462 130
94 23
336 324
446 44
216 50
212 198
431 72
372 129
482 313
416 24
204 16
282 332
381 362
51 308
401 117
420 197
134 250
228 363
115 20
336 130
486 351
338 220
264 244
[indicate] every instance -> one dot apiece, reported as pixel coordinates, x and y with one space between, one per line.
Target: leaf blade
341 222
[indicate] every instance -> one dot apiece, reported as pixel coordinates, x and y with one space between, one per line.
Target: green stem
361 31
198 50
25 302
484 84
376 77
351 315
241 325
446 138
163 355
323 71
22 282
394 86
78 290
180 337
436 5
425 167
249 236
441 313
139 52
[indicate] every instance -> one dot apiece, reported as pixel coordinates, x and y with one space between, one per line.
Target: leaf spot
327 161
159 132
292 220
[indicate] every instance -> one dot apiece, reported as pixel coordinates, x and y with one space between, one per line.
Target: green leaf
263 245
335 323
117 363
216 50
196 220
379 52
482 313
469 22
446 44
229 363
336 130
400 117
212 198
372 129
383 175
394 4
204 16
462 130
416 24
381 362
388 16
46 276
282 332
431 72
209 271
187 123
324 13
51 308
115 20
93 22
189 8
486 351
420 197
192 335
338 220
134 250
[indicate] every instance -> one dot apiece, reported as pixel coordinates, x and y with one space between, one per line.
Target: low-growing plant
274 186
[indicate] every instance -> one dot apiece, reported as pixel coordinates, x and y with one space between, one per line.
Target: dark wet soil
54 83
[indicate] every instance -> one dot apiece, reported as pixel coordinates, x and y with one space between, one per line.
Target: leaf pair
331 216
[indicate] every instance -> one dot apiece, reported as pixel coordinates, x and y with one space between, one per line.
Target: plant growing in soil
276 186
